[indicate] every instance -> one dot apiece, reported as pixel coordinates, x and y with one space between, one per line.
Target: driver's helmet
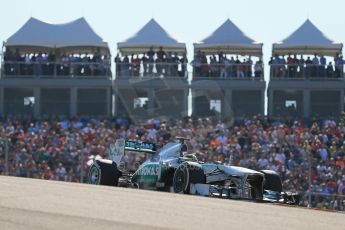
189 157
184 148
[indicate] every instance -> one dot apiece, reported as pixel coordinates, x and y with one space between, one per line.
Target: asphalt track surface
37 204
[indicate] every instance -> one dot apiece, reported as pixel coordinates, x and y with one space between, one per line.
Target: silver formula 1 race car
171 169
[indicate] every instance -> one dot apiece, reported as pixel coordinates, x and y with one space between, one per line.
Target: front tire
104 172
186 174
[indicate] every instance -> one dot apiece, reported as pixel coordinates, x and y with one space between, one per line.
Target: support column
341 100
262 102
115 102
37 105
227 107
109 102
151 103
73 102
2 95
270 102
185 103
306 103
193 100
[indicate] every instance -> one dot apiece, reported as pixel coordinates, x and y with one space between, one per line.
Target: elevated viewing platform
151 74
64 75
228 74
55 88
70 74
234 89
302 75
306 75
306 91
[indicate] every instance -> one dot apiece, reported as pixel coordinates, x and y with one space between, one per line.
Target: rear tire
186 174
104 172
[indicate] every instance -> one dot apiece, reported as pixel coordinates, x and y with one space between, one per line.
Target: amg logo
149 171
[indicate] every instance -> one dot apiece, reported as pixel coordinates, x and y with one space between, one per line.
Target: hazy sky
266 21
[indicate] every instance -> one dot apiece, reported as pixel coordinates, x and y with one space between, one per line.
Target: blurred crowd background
62 149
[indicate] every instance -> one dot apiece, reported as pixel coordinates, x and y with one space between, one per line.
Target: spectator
60 173
329 70
315 67
48 64
184 62
258 68
118 63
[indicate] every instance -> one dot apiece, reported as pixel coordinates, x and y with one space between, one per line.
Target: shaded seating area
151 52
307 54
43 49
306 75
228 74
151 74
228 53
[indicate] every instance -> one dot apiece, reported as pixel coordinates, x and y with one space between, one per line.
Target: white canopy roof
151 35
76 35
228 38
307 39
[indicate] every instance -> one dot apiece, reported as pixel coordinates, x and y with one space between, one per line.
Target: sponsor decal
150 170
140 146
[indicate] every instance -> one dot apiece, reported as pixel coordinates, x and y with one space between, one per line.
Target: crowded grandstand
60 149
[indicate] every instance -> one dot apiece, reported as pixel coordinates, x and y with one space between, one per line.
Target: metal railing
202 71
229 71
320 200
151 70
306 71
11 69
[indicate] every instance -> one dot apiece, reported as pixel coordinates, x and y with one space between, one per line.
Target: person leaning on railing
47 64
118 64
136 61
150 60
145 63
184 63
214 67
322 68
301 63
339 66
330 70
258 69
310 68
291 71
196 63
248 67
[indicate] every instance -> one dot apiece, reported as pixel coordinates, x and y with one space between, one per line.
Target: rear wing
138 146
117 150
